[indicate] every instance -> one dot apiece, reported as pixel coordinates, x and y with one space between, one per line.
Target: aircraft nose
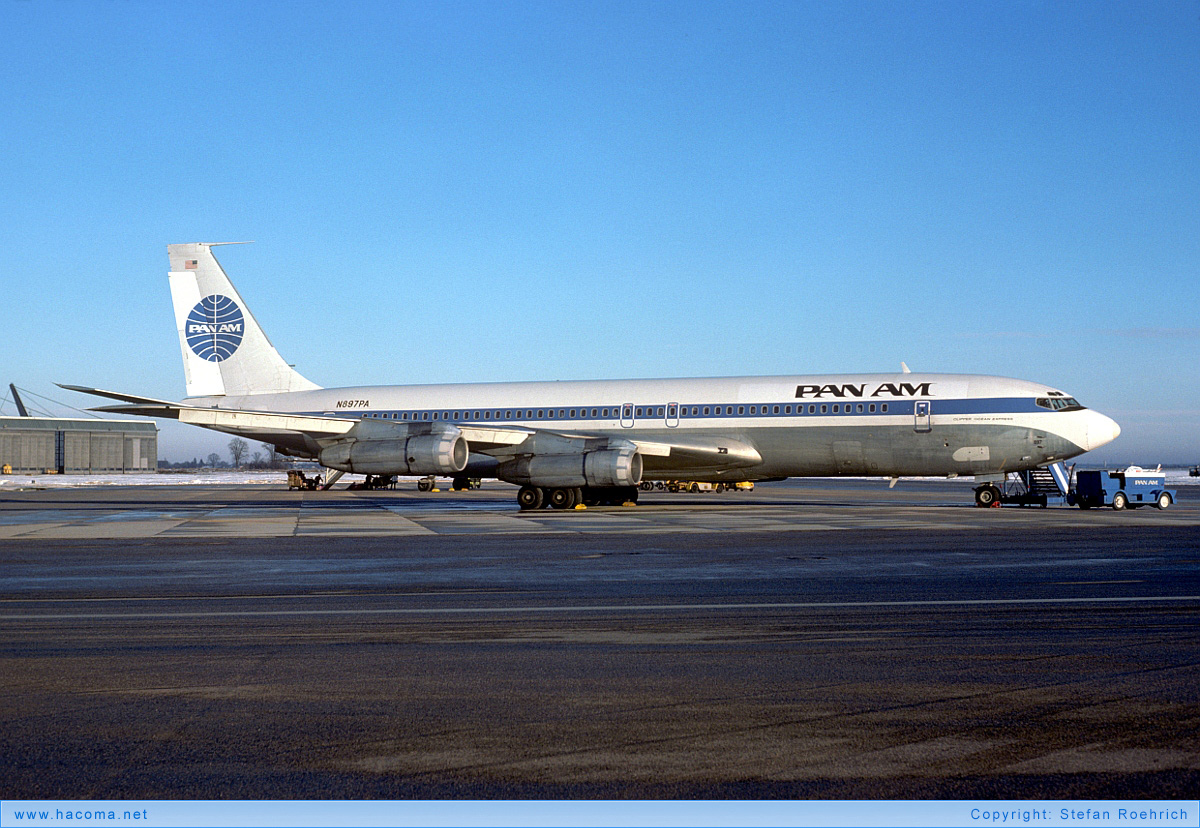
1101 430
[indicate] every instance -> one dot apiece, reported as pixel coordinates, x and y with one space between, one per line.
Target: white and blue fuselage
852 424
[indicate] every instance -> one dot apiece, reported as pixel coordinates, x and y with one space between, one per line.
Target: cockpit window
1060 403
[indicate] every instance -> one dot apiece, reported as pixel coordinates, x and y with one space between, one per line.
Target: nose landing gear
987 496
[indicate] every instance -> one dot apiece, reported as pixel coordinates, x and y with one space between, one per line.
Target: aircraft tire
563 498
530 498
987 496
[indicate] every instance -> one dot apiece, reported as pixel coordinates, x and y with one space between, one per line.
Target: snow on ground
206 478
201 478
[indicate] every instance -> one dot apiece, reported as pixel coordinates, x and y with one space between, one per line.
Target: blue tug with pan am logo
1126 489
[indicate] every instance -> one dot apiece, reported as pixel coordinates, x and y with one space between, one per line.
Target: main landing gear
563 497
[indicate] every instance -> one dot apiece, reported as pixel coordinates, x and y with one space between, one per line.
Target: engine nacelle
602 468
440 453
613 467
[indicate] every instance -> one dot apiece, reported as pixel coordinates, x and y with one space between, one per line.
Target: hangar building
37 445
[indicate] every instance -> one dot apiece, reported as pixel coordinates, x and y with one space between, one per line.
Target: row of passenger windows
628 412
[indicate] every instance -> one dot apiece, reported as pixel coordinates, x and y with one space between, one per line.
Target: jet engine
602 468
395 450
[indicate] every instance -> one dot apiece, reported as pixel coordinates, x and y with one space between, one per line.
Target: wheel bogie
530 498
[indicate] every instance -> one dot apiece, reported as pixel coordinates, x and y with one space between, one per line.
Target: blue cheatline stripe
480 415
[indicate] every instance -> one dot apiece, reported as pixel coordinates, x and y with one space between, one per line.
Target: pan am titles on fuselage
566 443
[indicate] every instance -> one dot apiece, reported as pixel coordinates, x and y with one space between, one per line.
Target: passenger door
921 421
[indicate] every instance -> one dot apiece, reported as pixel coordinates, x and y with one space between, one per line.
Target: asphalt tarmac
818 639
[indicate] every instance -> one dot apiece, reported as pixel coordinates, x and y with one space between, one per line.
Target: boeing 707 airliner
565 443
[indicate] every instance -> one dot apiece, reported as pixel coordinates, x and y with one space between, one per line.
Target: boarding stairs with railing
1037 487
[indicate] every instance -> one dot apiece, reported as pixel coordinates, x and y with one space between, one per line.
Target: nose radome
1101 430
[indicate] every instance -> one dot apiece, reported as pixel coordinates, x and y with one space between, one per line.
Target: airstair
1037 487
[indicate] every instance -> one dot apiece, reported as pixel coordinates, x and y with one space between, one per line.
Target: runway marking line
615 608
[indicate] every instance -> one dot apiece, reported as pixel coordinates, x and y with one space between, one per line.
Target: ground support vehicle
690 486
1125 489
297 480
457 484
695 486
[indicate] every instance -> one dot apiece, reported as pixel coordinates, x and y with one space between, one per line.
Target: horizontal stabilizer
230 420
117 395
222 419
166 412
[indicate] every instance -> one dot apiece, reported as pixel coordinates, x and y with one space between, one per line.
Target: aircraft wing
309 433
687 455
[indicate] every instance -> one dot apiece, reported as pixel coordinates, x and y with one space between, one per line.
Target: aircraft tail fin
225 352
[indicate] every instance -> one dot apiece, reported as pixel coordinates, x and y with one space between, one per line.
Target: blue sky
448 192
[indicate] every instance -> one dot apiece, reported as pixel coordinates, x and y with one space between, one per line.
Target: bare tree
213 459
237 451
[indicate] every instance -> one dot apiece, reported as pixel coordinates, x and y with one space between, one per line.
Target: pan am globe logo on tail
215 328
